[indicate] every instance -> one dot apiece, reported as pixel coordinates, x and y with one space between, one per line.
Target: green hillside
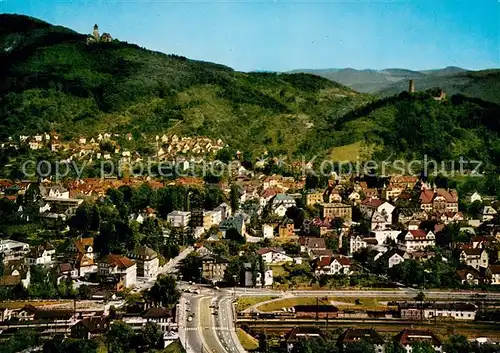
484 84
410 126
52 80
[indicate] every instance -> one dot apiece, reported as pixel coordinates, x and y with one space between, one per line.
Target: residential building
179 219
476 258
313 197
469 276
237 222
335 265
267 231
274 255
119 265
286 228
83 255
355 335
146 260
280 203
409 337
493 274
307 244
12 249
297 334
384 209
358 242
412 240
336 210
439 200
41 255
213 268
488 214
393 257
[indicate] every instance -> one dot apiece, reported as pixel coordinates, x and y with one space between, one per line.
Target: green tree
152 335
457 344
121 337
359 347
164 292
234 197
423 347
190 268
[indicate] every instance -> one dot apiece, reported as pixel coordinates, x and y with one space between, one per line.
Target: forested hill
50 79
410 126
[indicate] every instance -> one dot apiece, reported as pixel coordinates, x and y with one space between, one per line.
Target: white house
475 258
413 240
274 255
267 231
336 265
280 203
393 257
488 213
369 206
358 242
41 255
179 219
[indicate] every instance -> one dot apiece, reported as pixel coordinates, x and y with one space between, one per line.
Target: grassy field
243 303
351 152
343 303
247 341
174 347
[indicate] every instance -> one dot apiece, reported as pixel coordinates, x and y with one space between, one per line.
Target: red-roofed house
119 265
413 240
335 265
408 337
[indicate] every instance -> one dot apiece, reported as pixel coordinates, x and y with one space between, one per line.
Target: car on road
216 312
190 318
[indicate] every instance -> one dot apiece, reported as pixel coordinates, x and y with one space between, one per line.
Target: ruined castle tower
411 86
96 33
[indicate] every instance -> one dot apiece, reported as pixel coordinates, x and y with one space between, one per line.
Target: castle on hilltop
438 95
95 38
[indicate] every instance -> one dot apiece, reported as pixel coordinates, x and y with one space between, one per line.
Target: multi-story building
313 198
412 240
336 210
122 266
41 255
213 268
475 258
179 219
146 260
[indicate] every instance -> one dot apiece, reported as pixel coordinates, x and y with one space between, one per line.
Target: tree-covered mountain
51 79
484 84
409 126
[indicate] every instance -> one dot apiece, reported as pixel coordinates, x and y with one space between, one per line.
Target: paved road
169 267
208 333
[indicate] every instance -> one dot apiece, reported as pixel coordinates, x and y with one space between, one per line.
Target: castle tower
96 33
411 86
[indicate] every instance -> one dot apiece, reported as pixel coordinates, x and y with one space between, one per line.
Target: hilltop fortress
95 38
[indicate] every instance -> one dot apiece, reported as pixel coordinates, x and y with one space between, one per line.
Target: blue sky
285 35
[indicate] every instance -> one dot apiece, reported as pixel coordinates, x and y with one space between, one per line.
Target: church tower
96 33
